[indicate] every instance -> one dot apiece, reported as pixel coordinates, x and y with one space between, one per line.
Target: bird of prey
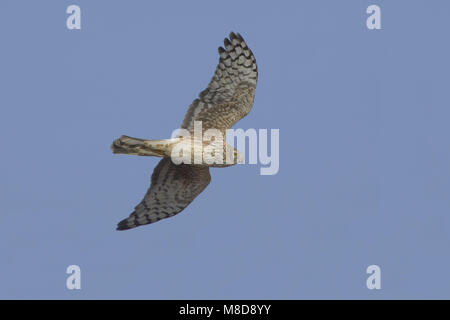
227 99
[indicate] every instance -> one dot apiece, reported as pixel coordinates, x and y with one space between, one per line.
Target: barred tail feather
140 147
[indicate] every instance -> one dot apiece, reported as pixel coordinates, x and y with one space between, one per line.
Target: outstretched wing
229 96
172 188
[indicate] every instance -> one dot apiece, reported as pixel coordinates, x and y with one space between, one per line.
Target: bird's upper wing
172 188
229 95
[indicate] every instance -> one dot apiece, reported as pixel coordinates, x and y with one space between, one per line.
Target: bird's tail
141 147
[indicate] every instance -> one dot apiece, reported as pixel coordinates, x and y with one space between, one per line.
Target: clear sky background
364 150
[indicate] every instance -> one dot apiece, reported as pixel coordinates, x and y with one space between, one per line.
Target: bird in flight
227 99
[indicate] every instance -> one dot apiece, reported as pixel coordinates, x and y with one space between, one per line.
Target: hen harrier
227 99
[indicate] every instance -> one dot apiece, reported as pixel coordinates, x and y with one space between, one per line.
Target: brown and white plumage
229 95
172 188
228 98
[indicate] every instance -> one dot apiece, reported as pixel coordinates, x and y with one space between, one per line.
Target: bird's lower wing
173 188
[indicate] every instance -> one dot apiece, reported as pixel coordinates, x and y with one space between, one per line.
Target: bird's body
228 98
197 150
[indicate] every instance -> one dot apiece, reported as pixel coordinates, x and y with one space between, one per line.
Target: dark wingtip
221 50
226 42
236 35
123 225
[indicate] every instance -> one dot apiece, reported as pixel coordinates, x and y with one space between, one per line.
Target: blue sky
364 150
